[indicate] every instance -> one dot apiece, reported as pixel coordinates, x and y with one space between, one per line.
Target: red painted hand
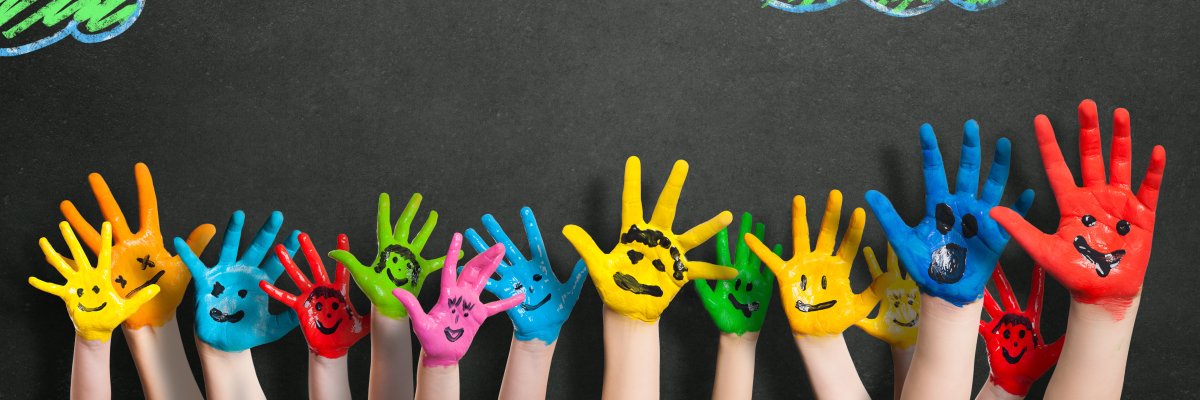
1102 245
1016 353
327 316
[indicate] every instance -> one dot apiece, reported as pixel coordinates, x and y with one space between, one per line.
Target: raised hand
329 322
139 259
899 303
549 301
231 310
815 283
92 302
739 305
951 252
645 270
398 263
1016 351
447 330
1102 246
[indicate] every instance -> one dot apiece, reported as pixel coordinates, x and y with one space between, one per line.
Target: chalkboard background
313 109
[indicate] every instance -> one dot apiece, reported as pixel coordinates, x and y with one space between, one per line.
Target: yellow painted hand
900 303
645 270
93 304
815 284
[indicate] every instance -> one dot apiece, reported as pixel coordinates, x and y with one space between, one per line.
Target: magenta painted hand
447 330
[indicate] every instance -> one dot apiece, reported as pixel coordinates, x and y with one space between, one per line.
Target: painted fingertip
725 217
928 138
1121 117
1088 118
971 133
1003 146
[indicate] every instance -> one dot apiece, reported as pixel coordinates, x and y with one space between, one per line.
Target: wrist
228 375
992 391
631 357
161 361
830 368
735 366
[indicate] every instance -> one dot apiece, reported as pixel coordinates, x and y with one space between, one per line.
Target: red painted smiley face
1016 337
328 307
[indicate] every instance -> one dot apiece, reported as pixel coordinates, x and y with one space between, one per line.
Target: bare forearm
991 391
1094 354
735 366
830 368
89 370
527 371
228 375
943 364
436 382
327 378
391 358
631 358
161 363
901 361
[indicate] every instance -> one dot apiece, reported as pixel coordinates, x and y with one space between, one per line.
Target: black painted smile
528 307
219 316
154 279
1104 263
398 282
908 324
1013 359
805 307
453 334
327 331
92 309
747 309
630 284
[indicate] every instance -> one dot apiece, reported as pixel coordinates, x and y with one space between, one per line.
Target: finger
86 231
774 263
760 233
345 258
967 180
1148 192
502 305
1005 289
893 262
258 248
383 217
874 327
722 243
829 223
703 270
499 236
147 200
767 274
56 259
104 258
293 271
989 304
200 237
849 247
993 189
575 283
422 237
1024 202
272 266
195 267
450 265
872 262
584 245
108 206
742 253
1030 238
1122 150
1091 154
800 238
631 194
341 276
320 276
77 253
410 303
700 233
233 238
54 289
476 241
1061 181
935 172
404 224
141 298
278 294
432 266
480 268
537 245
664 210
894 228
1036 286
703 289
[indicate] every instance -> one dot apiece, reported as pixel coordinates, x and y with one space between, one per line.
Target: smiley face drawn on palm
139 258
1013 338
647 267
815 284
447 330
398 264
1102 246
951 252
739 305
94 305
900 304
231 309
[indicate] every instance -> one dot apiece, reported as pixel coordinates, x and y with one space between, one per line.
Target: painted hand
139 259
739 305
815 284
899 303
92 302
1102 245
641 275
231 310
549 301
398 264
951 252
447 330
328 319
1016 353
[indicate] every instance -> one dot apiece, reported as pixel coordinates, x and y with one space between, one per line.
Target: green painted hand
739 305
398 262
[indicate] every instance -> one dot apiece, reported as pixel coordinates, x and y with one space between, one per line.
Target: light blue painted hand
231 309
951 252
548 302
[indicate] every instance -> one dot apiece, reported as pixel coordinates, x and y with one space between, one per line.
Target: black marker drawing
1104 263
805 307
746 309
396 257
631 284
1022 325
319 295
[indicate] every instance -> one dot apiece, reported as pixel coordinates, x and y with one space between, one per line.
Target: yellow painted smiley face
900 304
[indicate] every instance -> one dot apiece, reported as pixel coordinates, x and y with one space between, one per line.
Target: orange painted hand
92 302
815 284
899 305
645 270
139 258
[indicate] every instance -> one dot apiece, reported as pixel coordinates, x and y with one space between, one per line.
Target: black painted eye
242 293
749 286
335 306
318 306
537 277
395 258
79 292
217 289
897 304
737 284
945 218
970 226
803 282
517 287
1088 220
910 302
824 283
1007 334
466 314
96 289
1021 334
1123 227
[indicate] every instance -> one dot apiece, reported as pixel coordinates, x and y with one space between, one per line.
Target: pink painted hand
447 330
